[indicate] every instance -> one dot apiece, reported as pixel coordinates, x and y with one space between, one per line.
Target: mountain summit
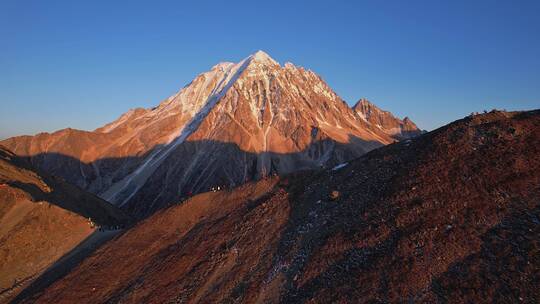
263 58
386 121
235 123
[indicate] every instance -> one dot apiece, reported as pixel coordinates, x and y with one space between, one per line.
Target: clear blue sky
81 64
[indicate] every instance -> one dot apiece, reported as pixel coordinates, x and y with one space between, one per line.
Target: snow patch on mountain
123 191
121 120
262 58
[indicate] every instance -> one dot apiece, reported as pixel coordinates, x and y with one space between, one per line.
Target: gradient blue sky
81 64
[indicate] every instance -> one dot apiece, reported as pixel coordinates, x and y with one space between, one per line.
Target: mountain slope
235 123
384 120
451 216
41 219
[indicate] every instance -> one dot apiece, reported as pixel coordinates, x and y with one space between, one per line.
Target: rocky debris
334 195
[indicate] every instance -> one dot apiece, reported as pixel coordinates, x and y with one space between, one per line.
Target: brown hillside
450 217
41 219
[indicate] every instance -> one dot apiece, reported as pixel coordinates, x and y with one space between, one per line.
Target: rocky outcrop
386 121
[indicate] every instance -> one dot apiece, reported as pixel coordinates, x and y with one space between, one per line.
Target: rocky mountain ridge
235 123
386 121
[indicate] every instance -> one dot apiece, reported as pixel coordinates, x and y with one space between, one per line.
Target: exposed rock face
420 221
234 123
386 121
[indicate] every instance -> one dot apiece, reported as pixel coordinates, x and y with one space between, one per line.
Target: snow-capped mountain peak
223 65
261 57
237 122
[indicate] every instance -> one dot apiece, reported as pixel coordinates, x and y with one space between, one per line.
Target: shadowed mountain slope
41 219
449 217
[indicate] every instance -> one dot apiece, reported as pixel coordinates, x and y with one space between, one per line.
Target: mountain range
236 123
257 183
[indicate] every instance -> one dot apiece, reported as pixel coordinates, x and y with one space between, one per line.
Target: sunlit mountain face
235 123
